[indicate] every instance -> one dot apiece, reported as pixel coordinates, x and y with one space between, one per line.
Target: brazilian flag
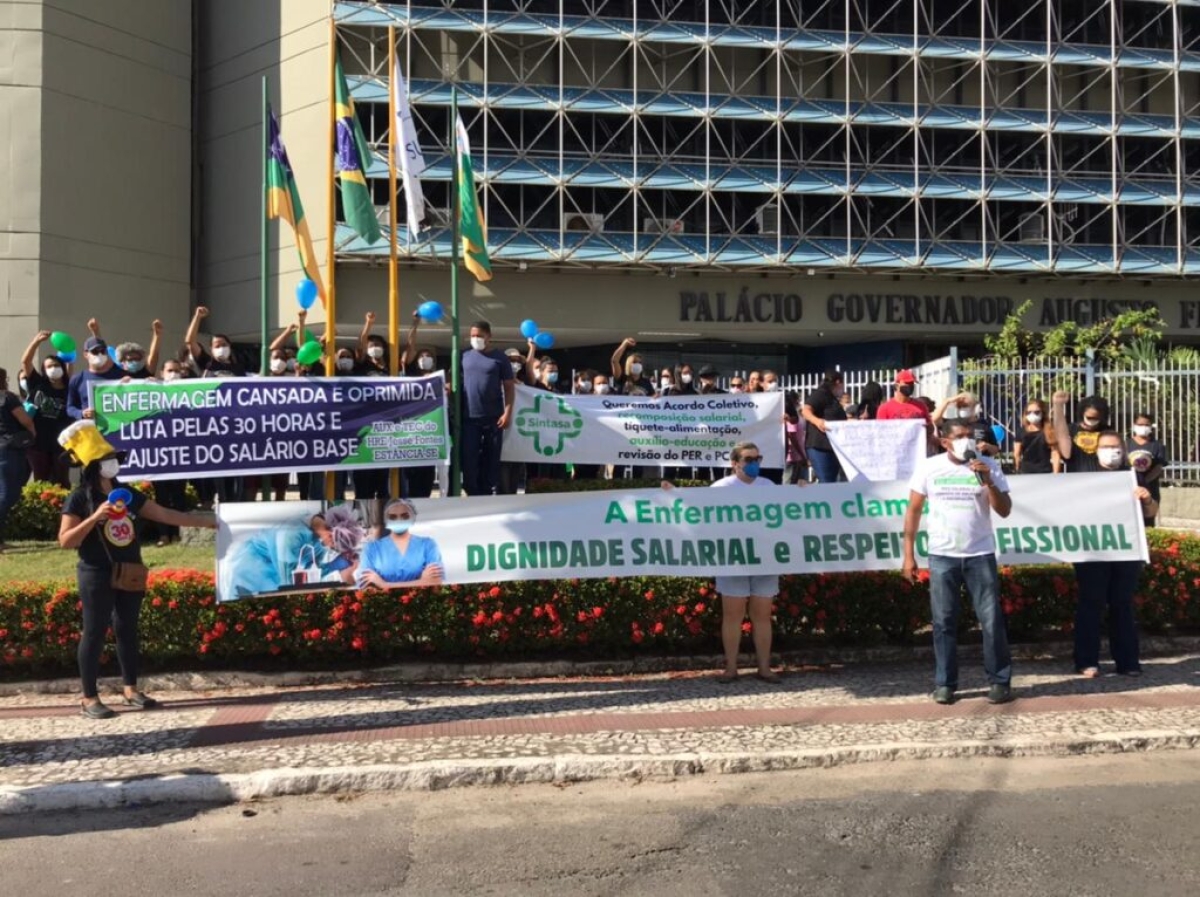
350 164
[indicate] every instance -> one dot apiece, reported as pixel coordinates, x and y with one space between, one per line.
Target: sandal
96 710
726 678
142 702
769 676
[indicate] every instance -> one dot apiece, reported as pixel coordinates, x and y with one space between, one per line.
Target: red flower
357 644
494 592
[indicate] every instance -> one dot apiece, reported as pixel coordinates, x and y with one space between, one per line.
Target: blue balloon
430 311
544 340
112 353
306 293
66 357
529 329
999 432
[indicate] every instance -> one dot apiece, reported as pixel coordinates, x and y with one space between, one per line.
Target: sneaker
943 694
999 694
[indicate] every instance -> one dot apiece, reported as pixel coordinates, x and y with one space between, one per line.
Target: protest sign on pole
236 425
877 450
677 431
270 547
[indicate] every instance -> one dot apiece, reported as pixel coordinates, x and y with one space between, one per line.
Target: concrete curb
437 775
559 669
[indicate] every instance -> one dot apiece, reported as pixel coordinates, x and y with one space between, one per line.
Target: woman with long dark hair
99 521
1037 449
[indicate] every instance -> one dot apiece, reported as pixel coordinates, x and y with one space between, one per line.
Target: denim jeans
14 471
825 465
481 444
1112 584
947 576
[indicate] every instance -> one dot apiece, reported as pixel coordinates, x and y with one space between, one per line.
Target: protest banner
676 431
250 425
269 547
877 450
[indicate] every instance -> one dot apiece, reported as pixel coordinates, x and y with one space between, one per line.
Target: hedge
37 514
183 627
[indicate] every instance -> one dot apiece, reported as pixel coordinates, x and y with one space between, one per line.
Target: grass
45 561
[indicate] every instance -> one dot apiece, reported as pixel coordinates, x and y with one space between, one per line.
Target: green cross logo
549 423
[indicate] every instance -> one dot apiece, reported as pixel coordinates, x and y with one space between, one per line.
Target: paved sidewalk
258 742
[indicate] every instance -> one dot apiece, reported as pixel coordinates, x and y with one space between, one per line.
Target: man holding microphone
962 490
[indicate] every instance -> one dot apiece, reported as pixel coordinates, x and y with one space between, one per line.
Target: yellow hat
84 444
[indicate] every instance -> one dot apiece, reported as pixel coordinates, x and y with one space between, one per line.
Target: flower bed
183 627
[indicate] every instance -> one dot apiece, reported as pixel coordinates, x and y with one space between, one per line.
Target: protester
374 352
666 383
737 384
754 382
901 405
17 436
583 382
110 574
1037 449
1077 443
962 490
870 400
276 367
400 560
968 410
135 361
100 368
821 406
708 380
796 470
684 380
1148 457
628 378
742 593
46 391
549 382
1110 584
216 361
488 394
770 381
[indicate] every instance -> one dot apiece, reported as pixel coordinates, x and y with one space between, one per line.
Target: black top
1145 459
210 367
1083 452
826 406
1035 453
119 533
982 432
51 404
8 421
631 386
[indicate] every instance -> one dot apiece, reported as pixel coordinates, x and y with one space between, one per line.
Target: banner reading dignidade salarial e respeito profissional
681 532
260 425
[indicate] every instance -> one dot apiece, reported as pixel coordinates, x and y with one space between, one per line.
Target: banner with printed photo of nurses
674 431
234 426
265 548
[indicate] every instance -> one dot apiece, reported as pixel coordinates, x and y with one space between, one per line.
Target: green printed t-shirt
960 518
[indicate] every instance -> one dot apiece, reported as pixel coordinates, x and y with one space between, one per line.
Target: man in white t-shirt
962 490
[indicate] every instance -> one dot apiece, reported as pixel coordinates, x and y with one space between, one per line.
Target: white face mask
221 353
97 362
375 352
278 365
665 382
1034 417
290 364
23 383
770 386
478 343
345 364
635 368
686 378
603 389
959 447
425 362
54 372
169 376
517 367
1109 458
110 468
735 389
585 387
1142 431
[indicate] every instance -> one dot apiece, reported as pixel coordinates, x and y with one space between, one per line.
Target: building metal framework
921 136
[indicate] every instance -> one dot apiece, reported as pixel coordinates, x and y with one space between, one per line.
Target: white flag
412 160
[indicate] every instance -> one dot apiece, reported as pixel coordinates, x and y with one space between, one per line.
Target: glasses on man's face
736 385
97 351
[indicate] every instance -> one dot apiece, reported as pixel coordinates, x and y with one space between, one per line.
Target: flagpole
393 268
455 365
264 232
331 234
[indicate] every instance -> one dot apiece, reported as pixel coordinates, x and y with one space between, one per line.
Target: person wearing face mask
901 405
666 383
136 362
628 373
962 490
105 534
708 375
17 435
821 405
488 395
583 382
399 559
870 400
46 390
218 360
1110 584
374 353
740 594
1148 457
685 384
1077 443
100 367
1037 449
754 382
967 409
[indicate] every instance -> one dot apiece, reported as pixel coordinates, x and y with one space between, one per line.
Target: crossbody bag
127 576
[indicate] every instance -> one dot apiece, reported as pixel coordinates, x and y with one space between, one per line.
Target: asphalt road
1123 825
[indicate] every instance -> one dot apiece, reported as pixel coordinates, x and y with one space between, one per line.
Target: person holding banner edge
963 489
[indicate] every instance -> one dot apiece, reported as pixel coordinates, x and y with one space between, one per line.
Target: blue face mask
399 527
134 367
751 468
552 376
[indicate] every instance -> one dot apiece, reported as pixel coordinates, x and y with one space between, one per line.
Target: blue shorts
748 586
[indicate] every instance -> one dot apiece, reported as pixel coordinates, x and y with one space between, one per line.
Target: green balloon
62 342
310 353
308 337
